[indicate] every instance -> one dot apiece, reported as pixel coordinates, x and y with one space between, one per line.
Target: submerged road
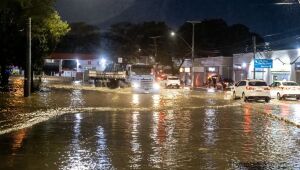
176 129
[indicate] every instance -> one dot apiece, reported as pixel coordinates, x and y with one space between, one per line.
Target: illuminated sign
297 66
263 63
211 69
187 70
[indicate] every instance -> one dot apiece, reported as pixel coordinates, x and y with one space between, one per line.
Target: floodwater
176 129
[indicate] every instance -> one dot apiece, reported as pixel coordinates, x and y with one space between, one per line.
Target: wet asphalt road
176 129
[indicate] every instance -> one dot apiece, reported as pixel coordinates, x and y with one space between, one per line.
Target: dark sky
262 16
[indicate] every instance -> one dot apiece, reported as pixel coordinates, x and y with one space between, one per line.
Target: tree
47 29
130 41
82 38
216 37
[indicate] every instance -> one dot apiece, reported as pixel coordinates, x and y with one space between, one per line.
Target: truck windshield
141 70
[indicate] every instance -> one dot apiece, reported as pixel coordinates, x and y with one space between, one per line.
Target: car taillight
267 88
285 88
249 88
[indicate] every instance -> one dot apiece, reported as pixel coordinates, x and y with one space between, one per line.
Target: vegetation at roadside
47 30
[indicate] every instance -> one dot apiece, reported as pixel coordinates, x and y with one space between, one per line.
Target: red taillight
249 88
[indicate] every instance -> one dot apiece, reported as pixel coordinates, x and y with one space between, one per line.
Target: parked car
228 84
252 90
172 82
285 89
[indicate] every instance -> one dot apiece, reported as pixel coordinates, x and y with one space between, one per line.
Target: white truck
139 76
142 79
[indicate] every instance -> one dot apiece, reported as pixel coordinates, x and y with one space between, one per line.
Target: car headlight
135 85
156 86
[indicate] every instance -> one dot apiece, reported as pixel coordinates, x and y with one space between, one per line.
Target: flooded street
72 128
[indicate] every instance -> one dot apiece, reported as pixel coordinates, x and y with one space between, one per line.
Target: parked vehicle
252 90
227 83
285 89
172 82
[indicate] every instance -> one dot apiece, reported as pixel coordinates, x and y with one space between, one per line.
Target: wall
283 66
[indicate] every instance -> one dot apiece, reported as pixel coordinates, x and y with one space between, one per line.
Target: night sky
262 16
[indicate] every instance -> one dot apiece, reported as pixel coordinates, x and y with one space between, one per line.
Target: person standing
214 81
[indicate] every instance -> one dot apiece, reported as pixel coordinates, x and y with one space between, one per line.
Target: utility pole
254 54
155 45
27 75
193 50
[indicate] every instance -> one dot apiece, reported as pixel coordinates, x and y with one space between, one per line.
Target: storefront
285 66
185 72
205 68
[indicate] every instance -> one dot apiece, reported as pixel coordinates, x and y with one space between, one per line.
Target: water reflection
77 99
135 99
101 153
284 110
210 126
247 144
76 155
164 139
18 138
247 118
134 143
155 157
296 113
156 100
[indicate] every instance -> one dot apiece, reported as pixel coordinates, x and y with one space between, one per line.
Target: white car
172 81
285 89
252 90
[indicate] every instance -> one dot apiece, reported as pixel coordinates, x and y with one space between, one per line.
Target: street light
173 34
192 47
155 44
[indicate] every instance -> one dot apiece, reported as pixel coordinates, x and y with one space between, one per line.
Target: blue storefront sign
263 63
297 66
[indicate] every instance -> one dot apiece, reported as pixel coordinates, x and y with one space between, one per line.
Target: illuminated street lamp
173 34
192 47
103 61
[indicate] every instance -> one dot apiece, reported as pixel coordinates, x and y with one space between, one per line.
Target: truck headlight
156 86
135 85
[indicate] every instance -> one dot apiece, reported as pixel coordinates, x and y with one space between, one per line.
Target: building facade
73 64
205 68
286 66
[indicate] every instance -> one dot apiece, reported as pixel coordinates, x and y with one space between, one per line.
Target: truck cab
142 79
